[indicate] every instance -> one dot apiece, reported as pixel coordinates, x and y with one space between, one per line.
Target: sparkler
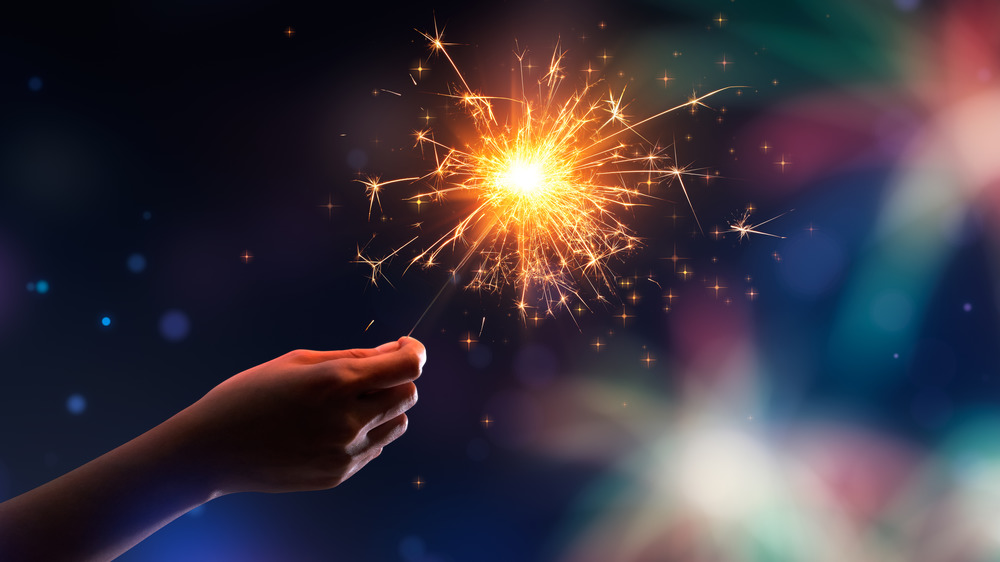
548 182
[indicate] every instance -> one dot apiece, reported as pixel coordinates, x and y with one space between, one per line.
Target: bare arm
307 420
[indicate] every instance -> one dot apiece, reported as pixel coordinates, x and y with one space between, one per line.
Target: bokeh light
136 263
174 325
76 404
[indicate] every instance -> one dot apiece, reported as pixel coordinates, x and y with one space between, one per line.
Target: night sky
178 203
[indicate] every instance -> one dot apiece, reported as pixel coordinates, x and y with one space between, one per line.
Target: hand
307 420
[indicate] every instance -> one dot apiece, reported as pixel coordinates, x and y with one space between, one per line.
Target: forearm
108 505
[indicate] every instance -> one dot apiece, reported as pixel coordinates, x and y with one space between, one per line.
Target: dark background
188 133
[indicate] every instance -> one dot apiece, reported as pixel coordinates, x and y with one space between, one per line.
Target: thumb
391 368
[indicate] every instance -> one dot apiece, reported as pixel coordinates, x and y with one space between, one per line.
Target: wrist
184 458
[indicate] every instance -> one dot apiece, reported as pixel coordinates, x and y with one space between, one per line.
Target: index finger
390 368
358 353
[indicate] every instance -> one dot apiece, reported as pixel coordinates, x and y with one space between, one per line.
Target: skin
307 420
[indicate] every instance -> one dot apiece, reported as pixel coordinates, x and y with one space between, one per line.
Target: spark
724 63
624 316
547 181
468 341
376 264
647 360
782 163
329 206
420 69
716 287
369 324
674 258
743 229
373 186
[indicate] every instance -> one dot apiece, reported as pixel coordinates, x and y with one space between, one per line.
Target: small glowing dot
106 321
34 83
136 263
967 307
147 215
42 286
76 404
895 356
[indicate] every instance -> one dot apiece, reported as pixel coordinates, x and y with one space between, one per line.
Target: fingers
387 432
359 353
386 404
391 368
381 434
309 356
361 461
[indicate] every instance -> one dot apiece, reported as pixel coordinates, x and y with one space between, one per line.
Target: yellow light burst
549 181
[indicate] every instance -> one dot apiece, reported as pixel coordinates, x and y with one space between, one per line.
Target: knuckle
301 355
356 431
410 397
343 371
397 427
349 433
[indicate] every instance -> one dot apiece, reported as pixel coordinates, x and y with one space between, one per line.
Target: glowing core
524 179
